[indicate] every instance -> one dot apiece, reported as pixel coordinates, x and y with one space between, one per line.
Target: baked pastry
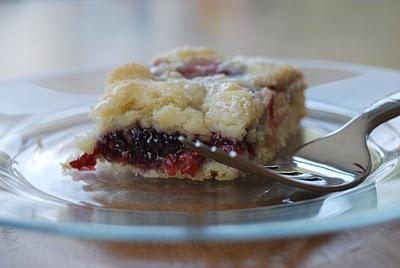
243 104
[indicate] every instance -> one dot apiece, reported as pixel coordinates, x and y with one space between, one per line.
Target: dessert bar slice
243 104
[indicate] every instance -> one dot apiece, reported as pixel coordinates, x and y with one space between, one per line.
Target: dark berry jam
147 148
201 68
142 147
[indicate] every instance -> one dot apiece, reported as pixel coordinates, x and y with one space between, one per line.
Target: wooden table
38 37
375 246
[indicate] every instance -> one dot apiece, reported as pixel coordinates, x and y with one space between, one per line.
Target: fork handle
379 112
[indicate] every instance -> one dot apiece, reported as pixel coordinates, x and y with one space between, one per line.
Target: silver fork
336 162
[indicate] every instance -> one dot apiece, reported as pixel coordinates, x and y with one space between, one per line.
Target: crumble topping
202 104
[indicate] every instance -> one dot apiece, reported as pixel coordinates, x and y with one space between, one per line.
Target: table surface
375 246
42 37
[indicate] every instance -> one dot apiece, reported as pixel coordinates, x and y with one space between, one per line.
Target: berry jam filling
146 148
278 109
84 162
201 68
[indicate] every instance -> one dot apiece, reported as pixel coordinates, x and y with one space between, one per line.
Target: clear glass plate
36 193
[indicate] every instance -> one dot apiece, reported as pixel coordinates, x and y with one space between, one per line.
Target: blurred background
38 37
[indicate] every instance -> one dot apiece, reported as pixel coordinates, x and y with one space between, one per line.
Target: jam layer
202 68
147 148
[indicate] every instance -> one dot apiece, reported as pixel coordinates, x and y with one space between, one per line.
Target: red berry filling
84 162
147 148
187 162
201 68
277 110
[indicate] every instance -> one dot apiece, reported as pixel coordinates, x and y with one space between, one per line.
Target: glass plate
36 193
